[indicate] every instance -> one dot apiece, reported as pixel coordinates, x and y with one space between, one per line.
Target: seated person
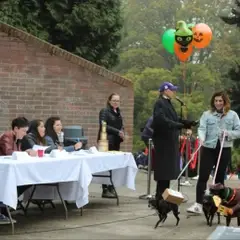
53 127
35 136
10 141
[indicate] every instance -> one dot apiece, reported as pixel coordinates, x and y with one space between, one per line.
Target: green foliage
144 60
90 29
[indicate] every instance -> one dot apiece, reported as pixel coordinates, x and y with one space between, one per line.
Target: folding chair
47 201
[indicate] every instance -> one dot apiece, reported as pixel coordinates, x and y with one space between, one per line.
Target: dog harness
233 195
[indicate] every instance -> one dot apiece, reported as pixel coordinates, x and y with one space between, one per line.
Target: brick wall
37 84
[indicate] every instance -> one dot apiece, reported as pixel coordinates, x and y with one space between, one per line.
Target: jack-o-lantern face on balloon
202 35
198 37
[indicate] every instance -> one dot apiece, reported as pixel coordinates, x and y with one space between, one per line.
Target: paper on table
93 150
39 147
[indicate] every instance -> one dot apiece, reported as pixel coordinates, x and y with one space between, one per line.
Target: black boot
106 193
112 191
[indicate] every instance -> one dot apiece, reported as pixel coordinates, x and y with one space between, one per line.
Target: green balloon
168 40
191 25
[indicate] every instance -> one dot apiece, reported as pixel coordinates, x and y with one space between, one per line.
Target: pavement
103 219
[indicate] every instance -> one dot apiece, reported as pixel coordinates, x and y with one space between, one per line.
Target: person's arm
69 148
149 125
202 129
103 117
161 121
27 143
235 133
50 143
6 144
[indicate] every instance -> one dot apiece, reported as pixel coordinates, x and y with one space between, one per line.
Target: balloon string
184 85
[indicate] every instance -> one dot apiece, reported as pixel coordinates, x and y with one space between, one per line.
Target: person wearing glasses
115 132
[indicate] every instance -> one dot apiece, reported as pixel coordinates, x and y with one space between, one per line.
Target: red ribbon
194 161
183 146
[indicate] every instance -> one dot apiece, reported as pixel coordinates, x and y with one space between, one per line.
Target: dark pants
111 147
161 186
20 191
209 159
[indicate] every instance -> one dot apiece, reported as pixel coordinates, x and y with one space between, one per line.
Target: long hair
33 129
110 98
226 101
49 128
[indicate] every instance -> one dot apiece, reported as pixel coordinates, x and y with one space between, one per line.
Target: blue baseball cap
167 85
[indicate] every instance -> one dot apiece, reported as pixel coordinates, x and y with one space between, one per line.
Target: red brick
37 84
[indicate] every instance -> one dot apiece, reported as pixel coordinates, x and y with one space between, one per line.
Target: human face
20 132
115 101
169 93
218 102
57 126
41 129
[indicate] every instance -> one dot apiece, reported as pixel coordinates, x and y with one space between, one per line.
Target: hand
226 133
78 145
31 152
60 148
201 141
121 134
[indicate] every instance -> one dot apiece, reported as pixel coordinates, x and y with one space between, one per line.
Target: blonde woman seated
54 135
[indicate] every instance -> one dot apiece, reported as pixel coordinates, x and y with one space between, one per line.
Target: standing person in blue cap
166 129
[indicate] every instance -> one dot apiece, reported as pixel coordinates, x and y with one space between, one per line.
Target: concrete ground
103 219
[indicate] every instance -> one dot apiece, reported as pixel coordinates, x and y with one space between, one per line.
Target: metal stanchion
187 183
148 195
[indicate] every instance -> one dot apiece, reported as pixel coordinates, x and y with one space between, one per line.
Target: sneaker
195 208
5 220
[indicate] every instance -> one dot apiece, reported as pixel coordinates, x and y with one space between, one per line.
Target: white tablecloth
123 166
74 173
71 172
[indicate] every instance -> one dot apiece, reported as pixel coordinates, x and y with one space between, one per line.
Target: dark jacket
30 140
8 144
147 131
114 124
166 126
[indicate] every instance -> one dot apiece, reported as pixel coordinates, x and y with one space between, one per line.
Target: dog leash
191 159
219 157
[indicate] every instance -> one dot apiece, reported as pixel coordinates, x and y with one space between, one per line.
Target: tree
234 17
144 60
88 28
234 73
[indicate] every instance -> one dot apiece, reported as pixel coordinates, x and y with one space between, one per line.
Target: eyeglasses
115 101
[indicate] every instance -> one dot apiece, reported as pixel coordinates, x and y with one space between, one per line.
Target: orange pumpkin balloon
202 35
183 54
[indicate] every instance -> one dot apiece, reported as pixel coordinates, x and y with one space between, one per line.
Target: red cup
40 152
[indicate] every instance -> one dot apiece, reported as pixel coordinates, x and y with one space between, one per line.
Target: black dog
163 208
210 209
230 198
